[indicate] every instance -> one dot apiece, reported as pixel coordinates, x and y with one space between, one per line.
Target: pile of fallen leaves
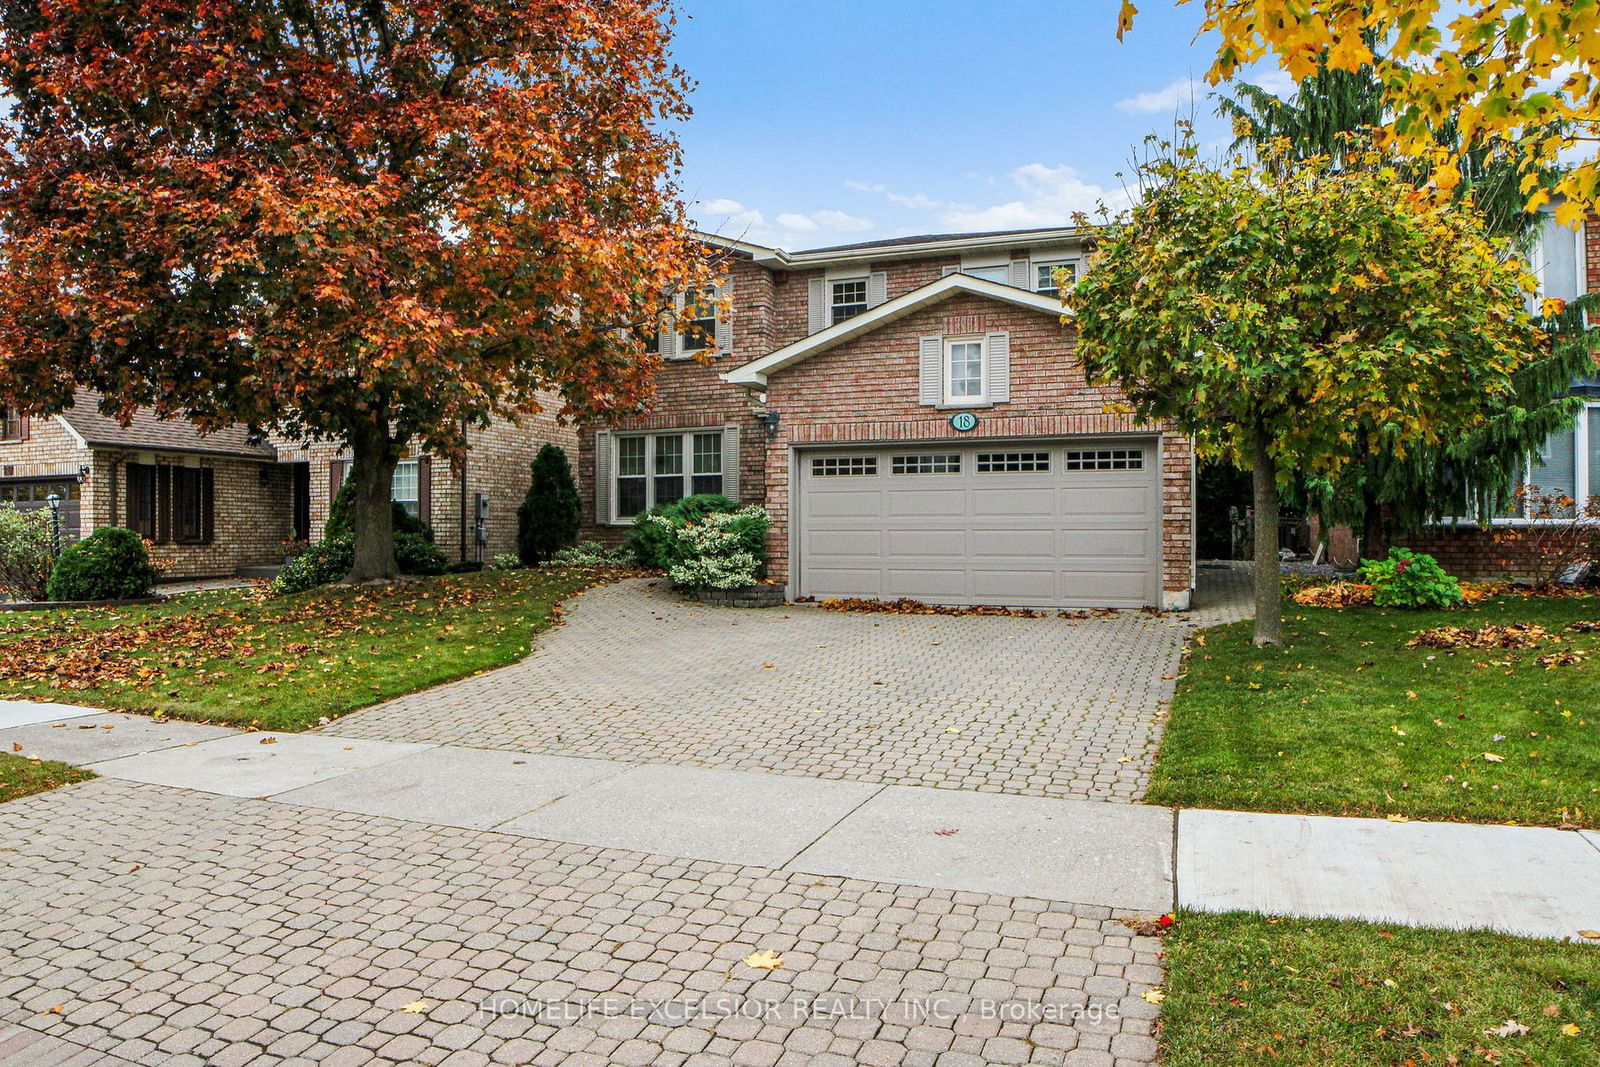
907 606
1516 635
1340 594
1476 591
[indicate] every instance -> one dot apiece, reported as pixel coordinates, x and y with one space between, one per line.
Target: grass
241 658
20 776
1244 989
1346 720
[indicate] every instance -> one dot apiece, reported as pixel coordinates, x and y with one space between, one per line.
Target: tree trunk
1268 585
372 513
1374 534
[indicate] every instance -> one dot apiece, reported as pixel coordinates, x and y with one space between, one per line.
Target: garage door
34 495
1068 523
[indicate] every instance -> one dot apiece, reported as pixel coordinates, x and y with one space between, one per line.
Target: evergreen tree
547 521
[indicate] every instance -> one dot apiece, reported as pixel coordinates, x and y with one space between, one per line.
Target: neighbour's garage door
1068 523
33 494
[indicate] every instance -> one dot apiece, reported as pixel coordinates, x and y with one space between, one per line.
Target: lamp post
54 500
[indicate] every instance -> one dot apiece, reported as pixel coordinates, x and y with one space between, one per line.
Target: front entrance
1062 523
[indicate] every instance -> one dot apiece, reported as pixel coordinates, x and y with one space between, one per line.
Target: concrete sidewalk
1528 881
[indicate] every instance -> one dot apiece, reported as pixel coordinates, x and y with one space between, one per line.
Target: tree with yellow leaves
1517 75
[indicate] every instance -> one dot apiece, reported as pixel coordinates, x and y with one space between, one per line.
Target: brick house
216 504
911 414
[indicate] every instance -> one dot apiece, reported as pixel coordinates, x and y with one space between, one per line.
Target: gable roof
145 431
755 372
891 248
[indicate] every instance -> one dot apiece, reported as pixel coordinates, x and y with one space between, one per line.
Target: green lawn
282 664
1244 990
20 776
1347 720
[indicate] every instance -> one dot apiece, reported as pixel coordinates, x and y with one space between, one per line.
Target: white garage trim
1058 522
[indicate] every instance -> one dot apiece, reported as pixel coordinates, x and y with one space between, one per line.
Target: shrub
594 554
1409 580
418 555
1562 544
716 552
505 561
547 521
109 564
26 552
657 545
326 561
344 501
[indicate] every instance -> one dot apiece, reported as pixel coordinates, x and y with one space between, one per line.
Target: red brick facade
866 391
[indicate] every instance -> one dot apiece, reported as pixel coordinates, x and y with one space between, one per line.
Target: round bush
417 555
1409 580
326 561
109 564
655 545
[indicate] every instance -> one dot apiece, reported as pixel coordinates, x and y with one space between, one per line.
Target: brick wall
866 391
499 460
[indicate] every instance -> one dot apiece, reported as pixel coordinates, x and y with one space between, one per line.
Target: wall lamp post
54 500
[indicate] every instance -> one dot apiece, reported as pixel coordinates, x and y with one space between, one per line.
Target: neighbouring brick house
911 414
218 503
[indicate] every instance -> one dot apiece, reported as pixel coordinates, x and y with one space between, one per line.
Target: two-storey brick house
912 415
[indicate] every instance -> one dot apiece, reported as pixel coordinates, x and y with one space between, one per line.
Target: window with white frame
403 489
658 468
994 272
1556 259
847 298
1044 275
964 370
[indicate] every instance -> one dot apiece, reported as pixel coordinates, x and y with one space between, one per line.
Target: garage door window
927 463
844 466
1104 459
1013 462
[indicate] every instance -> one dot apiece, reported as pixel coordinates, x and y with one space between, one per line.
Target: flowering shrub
1409 579
593 554
505 561
715 552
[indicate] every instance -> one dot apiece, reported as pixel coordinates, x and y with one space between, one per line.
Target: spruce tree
547 521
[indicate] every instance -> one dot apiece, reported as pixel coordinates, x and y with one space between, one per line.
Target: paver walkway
1039 707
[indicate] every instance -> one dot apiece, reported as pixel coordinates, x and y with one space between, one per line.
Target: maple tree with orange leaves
377 221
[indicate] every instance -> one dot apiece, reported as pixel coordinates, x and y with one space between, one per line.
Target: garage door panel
935 503
1013 500
925 542
846 542
1084 538
989 543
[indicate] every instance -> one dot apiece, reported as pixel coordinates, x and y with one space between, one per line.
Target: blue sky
824 121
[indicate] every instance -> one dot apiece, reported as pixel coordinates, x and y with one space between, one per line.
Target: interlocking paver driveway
164 926
1043 707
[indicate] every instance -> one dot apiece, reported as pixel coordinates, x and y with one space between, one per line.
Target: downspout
464 453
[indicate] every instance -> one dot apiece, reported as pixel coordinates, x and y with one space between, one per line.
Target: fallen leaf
765 960
1592 935
416 1007
1571 1029
1152 996
1552 1011
269 741
16 746
1494 757
947 833
1509 1028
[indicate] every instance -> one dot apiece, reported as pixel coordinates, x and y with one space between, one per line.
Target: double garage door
1070 523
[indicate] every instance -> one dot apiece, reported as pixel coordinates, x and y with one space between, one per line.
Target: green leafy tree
1291 316
1332 114
547 521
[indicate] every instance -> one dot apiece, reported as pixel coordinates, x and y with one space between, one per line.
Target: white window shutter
816 304
602 477
946 271
724 319
877 288
930 379
730 462
997 350
1021 276
667 337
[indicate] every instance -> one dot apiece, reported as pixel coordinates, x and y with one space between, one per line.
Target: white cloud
1050 195
786 229
1176 97
915 201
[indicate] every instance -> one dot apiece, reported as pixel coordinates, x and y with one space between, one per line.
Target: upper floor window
1044 275
10 425
1555 259
998 272
701 332
847 298
964 378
